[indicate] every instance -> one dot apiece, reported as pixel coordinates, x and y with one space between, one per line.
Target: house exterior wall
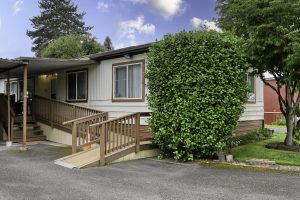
100 83
43 86
255 110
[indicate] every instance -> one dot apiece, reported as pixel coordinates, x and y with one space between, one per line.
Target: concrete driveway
32 175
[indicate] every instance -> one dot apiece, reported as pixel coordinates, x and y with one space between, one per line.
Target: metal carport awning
27 66
39 65
6 66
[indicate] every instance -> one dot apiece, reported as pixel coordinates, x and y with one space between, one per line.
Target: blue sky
127 22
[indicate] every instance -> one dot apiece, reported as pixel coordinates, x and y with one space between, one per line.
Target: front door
30 94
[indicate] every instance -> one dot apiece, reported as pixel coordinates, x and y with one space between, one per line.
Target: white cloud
204 24
128 29
169 8
17 6
166 8
137 1
120 46
103 5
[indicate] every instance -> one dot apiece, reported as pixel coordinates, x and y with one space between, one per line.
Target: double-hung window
250 80
77 86
128 81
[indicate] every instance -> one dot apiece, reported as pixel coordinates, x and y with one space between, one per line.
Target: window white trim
248 80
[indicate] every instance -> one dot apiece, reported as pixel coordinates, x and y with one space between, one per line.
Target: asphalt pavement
33 175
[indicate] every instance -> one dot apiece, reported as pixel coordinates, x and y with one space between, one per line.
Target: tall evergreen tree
108 43
57 18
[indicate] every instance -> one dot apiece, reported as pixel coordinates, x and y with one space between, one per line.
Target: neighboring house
271 104
112 82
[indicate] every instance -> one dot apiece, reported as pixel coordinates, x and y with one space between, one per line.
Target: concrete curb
264 165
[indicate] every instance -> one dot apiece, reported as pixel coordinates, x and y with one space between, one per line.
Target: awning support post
9 142
25 107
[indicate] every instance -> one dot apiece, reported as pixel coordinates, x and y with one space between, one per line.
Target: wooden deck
113 138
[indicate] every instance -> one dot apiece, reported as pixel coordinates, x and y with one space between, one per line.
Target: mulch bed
282 146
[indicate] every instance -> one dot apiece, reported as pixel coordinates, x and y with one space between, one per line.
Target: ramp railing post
74 137
102 144
137 132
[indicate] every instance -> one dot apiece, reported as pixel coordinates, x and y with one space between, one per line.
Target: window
128 81
13 89
77 86
30 88
250 79
53 87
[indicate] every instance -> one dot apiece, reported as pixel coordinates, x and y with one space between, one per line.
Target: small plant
231 143
280 122
254 136
297 138
266 133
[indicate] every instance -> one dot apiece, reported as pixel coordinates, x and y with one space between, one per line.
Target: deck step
29 132
19 119
29 126
33 130
30 138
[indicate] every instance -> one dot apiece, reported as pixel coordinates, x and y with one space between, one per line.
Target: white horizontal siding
255 111
100 91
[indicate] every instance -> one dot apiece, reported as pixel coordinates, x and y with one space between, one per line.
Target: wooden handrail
117 136
111 120
65 103
12 112
82 135
58 113
83 119
4 109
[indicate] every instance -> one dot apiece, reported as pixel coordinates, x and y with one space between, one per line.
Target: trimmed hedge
197 92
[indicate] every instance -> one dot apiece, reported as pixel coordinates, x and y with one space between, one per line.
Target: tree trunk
290 125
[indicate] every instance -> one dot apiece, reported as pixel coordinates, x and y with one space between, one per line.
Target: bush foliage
254 136
197 92
72 46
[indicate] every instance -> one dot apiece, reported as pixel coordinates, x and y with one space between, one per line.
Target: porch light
128 56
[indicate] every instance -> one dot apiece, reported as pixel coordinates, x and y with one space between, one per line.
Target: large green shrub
197 92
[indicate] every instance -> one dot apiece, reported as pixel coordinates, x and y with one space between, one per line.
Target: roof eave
121 52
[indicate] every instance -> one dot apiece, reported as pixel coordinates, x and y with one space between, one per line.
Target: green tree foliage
57 18
72 46
197 92
271 29
108 44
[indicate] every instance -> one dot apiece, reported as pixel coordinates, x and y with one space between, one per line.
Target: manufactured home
99 99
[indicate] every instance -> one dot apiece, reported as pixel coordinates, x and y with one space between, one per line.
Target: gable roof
47 65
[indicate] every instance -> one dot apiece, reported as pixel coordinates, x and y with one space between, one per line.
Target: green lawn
274 126
259 151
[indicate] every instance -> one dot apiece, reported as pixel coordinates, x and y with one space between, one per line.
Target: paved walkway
277 129
32 175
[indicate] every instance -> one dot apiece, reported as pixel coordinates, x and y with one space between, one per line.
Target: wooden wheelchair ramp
81 159
111 140
92 157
